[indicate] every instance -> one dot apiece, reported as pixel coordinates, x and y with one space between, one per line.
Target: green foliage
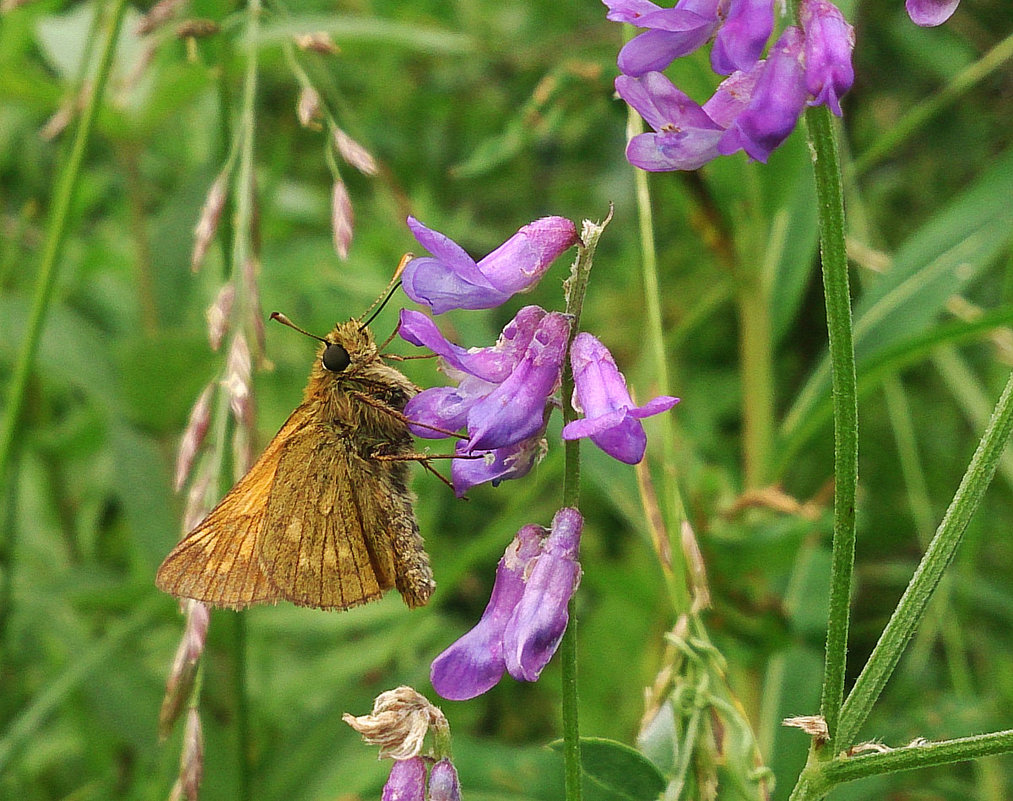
483 117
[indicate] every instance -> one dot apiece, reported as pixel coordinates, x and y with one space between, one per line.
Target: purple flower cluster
526 616
502 395
757 106
407 781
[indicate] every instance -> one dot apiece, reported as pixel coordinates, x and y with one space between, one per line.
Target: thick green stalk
830 200
911 607
63 196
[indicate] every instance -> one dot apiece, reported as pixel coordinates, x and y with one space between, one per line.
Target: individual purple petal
451 279
776 103
433 283
474 663
655 49
497 465
514 410
407 780
537 624
742 37
490 364
442 407
443 782
686 137
829 40
629 10
732 96
611 419
519 263
929 13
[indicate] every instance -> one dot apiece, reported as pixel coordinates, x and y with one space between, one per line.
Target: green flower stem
576 288
674 560
242 250
830 199
63 196
911 607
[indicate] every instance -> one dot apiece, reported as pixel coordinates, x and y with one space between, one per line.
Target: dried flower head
342 219
318 42
399 722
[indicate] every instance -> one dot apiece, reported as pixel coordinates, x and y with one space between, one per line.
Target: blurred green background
484 116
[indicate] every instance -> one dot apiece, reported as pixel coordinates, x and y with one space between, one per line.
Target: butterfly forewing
217 562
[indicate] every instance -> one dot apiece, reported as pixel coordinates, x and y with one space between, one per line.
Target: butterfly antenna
388 293
281 318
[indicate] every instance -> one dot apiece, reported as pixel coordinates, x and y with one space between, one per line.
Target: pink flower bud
210 214
218 315
237 379
342 219
308 108
193 436
354 153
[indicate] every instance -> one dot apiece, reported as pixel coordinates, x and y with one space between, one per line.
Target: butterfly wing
217 562
339 525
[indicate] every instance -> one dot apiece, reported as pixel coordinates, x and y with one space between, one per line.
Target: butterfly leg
383 407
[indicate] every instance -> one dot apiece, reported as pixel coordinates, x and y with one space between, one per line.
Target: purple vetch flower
742 36
451 279
611 419
443 782
671 32
929 13
829 40
407 780
474 663
502 390
526 616
540 617
684 138
498 464
777 101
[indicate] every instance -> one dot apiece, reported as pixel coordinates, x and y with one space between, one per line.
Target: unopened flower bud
210 214
218 315
407 781
318 42
237 379
354 153
193 436
342 219
308 108
443 782
184 665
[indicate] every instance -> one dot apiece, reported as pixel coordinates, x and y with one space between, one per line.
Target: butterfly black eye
335 358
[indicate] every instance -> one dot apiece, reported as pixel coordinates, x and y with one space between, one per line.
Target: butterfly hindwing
323 544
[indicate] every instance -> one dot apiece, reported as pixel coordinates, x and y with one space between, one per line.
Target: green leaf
622 771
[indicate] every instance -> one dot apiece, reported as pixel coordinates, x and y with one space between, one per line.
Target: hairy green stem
830 200
818 778
576 288
63 196
911 607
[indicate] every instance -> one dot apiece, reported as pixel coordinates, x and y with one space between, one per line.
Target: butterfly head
347 349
